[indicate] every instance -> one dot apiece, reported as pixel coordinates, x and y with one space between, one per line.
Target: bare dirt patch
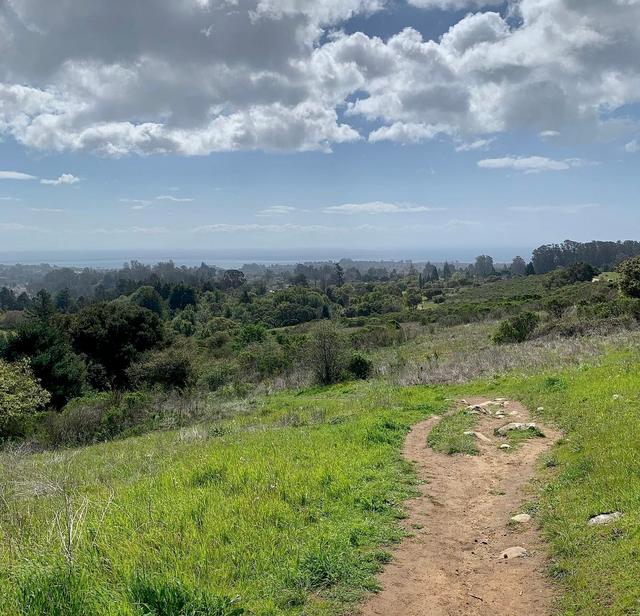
460 524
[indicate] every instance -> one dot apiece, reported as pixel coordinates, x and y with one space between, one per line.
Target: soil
460 525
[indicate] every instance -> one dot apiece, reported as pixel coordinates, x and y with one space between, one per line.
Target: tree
114 335
326 353
518 267
629 271
20 394
531 270
147 297
42 306
53 361
484 266
447 271
339 275
182 296
430 273
232 279
63 300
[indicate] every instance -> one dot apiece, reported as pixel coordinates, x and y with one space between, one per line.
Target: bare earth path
460 525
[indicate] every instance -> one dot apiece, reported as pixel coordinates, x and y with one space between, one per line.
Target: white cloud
16 175
136 204
174 199
48 210
131 230
557 209
549 134
19 227
278 74
632 147
478 144
255 228
454 4
377 207
9 199
277 210
531 164
64 180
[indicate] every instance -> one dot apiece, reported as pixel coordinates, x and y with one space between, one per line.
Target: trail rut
451 564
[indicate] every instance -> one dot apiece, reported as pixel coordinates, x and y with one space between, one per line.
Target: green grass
289 507
595 469
448 435
285 513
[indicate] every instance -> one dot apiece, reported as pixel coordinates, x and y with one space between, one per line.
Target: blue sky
356 128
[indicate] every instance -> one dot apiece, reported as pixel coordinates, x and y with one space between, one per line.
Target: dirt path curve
460 524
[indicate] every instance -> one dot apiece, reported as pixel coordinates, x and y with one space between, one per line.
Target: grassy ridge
281 512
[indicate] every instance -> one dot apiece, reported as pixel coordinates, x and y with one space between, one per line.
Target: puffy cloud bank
193 77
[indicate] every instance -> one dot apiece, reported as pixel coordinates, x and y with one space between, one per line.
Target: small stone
516 552
521 518
604 518
505 446
617 396
540 409
516 427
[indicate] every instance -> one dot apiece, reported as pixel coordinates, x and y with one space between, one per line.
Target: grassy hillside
287 508
281 512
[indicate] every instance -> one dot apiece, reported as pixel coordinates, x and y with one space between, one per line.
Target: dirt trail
460 525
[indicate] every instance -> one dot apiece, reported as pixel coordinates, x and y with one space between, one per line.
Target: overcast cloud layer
194 77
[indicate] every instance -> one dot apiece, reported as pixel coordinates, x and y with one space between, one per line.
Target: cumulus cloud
64 180
531 164
632 147
16 175
376 207
282 75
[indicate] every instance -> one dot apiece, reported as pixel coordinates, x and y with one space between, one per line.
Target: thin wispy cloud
277 210
558 209
47 210
378 207
633 147
9 227
9 199
531 164
256 228
16 175
174 199
478 144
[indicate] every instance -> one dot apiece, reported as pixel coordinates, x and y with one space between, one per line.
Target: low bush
360 366
516 329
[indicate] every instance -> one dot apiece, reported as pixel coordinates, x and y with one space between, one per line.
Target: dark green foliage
114 335
53 360
182 296
169 369
360 366
577 272
516 329
147 297
629 271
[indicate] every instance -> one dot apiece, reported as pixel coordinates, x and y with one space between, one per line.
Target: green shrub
216 375
169 369
516 329
360 366
629 271
20 395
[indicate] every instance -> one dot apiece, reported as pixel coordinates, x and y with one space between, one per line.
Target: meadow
291 507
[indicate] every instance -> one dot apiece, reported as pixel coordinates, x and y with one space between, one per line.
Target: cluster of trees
601 255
